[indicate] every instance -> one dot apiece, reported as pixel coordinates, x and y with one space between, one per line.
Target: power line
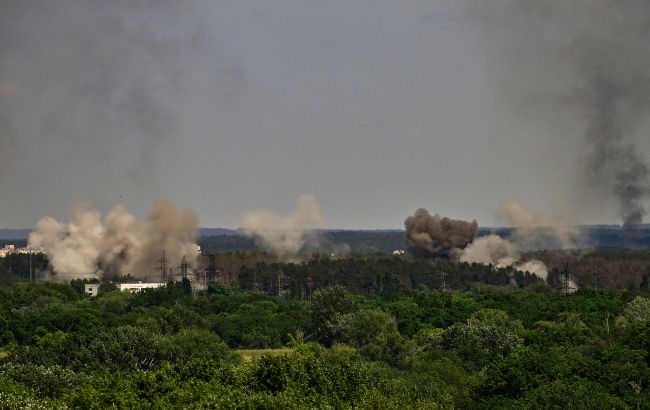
567 289
163 267
184 267
443 285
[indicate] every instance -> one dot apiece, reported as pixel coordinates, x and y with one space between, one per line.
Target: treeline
607 269
376 274
602 268
16 267
492 347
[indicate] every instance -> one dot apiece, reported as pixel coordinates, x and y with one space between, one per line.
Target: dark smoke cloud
588 60
611 162
431 236
104 90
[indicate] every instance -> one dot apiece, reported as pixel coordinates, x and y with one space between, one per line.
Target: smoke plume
118 243
121 82
532 230
285 236
431 236
517 214
494 250
590 59
491 249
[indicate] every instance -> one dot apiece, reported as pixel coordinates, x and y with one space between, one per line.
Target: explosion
431 236
285 236
118 243
436 236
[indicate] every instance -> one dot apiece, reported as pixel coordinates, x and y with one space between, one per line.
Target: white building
11 249
7 250
137 287
91 289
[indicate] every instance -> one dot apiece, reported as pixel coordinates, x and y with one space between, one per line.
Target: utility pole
184 266
163 267
443 285
567 289
281 282
30 263
212 270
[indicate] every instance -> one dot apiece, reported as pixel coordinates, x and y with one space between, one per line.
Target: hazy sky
376 107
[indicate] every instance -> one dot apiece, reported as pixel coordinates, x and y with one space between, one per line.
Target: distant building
137 287
91 289
398 252
7 250
10 249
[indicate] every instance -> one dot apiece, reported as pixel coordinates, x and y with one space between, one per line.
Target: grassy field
250 354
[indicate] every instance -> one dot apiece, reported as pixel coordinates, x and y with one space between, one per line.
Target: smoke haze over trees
117 244
589 59
287 235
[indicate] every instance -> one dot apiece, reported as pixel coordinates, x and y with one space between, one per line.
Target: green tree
487 335
327 309
571 395
638 310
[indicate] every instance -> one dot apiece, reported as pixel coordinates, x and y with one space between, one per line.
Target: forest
358 330
484 346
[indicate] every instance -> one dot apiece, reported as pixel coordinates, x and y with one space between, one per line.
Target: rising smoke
501 253
108 88
285 235
531 230
118 243
431 236
588 58
436 236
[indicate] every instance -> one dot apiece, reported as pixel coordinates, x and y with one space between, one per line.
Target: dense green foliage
375 274
359 259
484 348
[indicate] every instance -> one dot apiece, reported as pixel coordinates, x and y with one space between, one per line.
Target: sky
375 107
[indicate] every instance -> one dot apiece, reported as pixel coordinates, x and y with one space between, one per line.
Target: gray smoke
285 235
491 250
612 163
91 245
8 151
590 59
431 236
103 90
501 253
531 229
